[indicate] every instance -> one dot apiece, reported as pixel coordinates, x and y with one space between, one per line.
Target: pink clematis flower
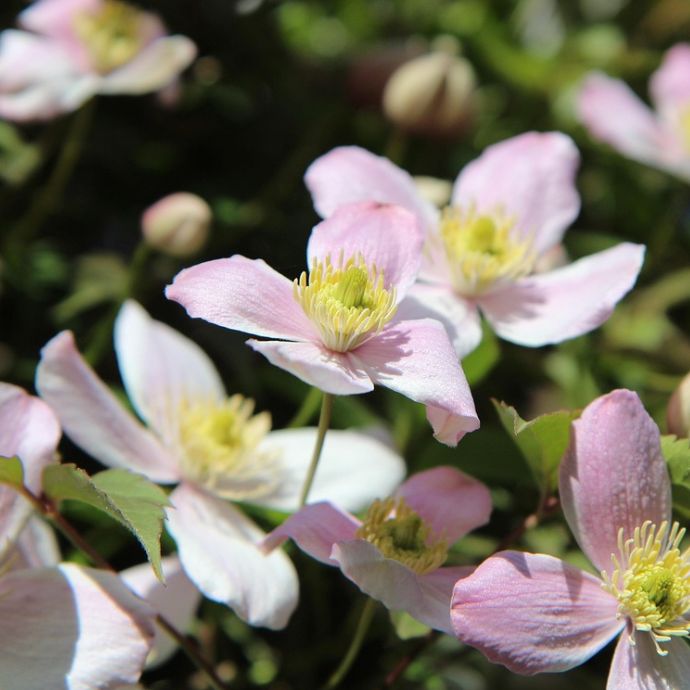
535 613
215 450
63 626
509 210
336 327
613 113
396 554
74 49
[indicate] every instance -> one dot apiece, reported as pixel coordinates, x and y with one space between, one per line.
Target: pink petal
315 529
533 613
613 475
354 469
73 628
93 417
333 372
55 17
567 302
176 600
424 597
415 358
218 547
530 177
639 667
450 502
349 174
243 295
37 546
670 84
388 237
459 316
635 131
154 68
161 369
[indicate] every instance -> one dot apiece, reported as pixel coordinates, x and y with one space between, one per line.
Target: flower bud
178 224
431 94
678 410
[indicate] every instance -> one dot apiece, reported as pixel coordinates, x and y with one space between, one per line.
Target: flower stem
324 422
307 409
405 662
355 645
46 507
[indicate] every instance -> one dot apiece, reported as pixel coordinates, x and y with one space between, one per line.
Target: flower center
651 580
347 302
111 34
219 447
398 532
482 250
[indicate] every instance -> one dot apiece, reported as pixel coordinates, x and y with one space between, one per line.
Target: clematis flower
335 327
659 138
396 554
215 450
535 613
63 626
74 49
509 209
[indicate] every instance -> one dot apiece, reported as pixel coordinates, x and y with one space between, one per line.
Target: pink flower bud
178 224
678 410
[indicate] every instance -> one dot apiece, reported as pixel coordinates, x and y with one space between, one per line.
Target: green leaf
676 452
542 441
11 472
129 498
407 627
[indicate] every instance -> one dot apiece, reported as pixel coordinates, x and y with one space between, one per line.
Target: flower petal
161 368
218 547
415 358
176 600
450 502
639 667
93 417
243 295
614 441
338 373
424 597
71 627
55 17
388 237
153 68
670 84
459 316
37 546
567 302
530 177
533 613
315 529
349 174
354 468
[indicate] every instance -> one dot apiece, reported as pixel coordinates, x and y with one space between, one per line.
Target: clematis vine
397 553
64 626
659 138
535 613
336 326
215 449
509 211
71 50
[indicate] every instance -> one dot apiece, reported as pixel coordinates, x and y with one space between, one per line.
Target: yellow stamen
348 302
651 580
111 34
398 532
219 443
482 250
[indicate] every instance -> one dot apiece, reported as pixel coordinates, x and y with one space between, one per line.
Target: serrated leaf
129 498
11 472
676 452
542 441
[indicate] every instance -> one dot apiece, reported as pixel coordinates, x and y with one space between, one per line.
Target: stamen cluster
347 302
482 250
401 534
651 580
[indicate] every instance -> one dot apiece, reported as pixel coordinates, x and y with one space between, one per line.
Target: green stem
324 422
307 409
46 507
355 645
